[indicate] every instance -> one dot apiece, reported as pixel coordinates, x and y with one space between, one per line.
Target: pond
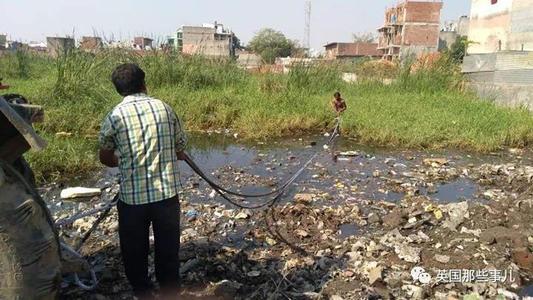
347 172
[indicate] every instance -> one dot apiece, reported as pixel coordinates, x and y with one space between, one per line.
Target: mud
354 226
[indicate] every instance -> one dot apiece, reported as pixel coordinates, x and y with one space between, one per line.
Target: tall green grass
426 108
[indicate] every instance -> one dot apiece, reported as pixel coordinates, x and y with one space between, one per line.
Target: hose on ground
277 194
79 283
104 207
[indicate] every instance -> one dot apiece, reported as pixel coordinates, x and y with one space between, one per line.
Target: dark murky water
526 292
458 190
348 230
344 179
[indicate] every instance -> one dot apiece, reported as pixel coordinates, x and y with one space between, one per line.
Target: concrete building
37 46
248 60
91 43
285 64
410 28
450 31
352 50
3 41
142 43
499 65
505 77
501 25
208 40
59 45
463 25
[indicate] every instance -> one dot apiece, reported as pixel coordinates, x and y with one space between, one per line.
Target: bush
315 78
377 70
430 73
23 65
269 44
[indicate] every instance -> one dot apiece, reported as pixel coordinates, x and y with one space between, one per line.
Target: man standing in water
144 138
338 104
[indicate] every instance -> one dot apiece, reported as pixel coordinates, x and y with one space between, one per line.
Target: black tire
23 167
30 266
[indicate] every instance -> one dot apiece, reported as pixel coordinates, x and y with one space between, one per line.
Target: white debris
349 153
79 192
243 215
458 212
408 253
254 273
442 258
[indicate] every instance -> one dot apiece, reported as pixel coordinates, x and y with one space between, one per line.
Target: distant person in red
338 104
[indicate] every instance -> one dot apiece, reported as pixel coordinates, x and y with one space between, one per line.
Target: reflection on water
458 190
346 180
348 230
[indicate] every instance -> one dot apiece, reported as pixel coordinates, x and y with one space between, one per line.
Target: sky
331 20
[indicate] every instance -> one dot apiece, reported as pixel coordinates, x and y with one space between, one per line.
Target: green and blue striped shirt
145 134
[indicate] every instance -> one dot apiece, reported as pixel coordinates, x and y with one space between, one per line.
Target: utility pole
307 31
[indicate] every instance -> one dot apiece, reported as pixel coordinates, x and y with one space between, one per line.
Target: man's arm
343 106
182 155
107 144
108 158
181 139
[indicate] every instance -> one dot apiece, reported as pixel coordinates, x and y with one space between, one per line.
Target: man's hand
108 158
182 155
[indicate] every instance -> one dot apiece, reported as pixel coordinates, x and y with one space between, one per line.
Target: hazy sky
332 20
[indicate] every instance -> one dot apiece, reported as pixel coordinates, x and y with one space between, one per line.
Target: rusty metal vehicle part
30 263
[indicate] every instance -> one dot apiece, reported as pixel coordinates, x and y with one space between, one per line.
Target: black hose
102 216
276 193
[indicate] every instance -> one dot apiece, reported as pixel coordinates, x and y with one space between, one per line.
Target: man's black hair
128 79
337 94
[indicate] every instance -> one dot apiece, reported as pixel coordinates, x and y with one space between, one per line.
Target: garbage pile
316 247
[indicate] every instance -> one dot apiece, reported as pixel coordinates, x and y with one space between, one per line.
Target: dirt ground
315 247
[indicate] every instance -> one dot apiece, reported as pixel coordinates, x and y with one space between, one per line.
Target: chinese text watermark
419 274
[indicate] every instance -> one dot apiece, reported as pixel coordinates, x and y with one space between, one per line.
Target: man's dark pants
134 224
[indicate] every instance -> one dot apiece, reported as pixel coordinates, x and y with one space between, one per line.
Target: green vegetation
425 106
270 44
458 49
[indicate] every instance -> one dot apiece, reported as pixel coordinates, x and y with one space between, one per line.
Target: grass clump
421 104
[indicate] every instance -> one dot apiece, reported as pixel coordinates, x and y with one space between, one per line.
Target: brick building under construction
410 28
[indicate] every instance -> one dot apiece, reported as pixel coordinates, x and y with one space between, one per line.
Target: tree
364 37
269 44
458 49
237 43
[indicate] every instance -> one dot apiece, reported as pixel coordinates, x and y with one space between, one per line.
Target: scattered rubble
300 249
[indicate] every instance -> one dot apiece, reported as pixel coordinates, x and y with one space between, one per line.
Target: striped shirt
145 134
